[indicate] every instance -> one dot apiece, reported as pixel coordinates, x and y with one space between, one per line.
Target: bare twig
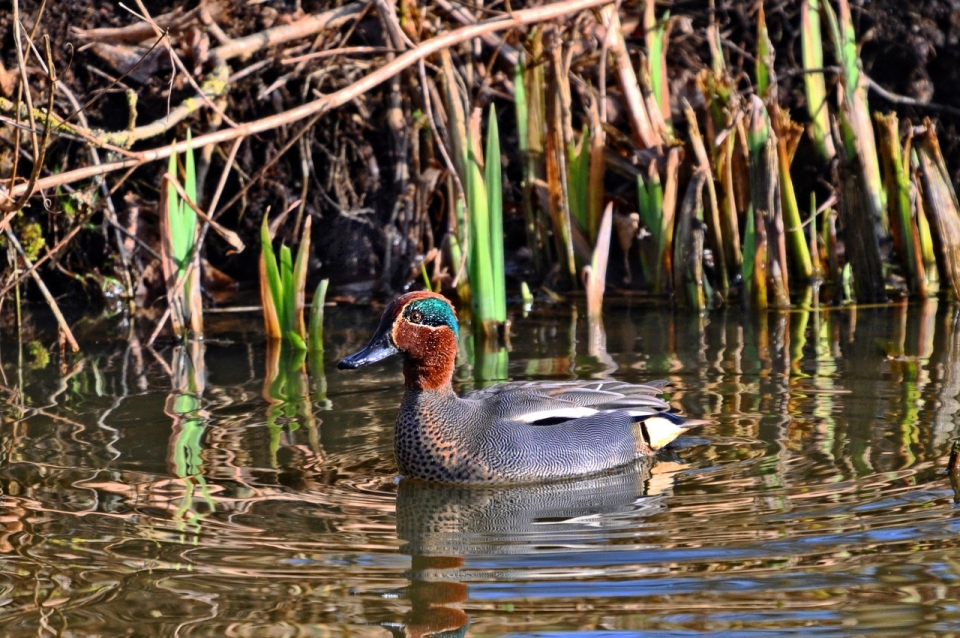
50 253
12 238
316 55
244 47
326 102
231 237
507 52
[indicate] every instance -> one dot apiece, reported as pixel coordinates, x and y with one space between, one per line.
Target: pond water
222 490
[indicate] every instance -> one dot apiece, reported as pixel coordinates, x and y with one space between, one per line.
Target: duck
512 432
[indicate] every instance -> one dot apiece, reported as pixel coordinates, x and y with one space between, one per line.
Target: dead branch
327 102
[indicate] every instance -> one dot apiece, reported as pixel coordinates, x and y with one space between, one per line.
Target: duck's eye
414 316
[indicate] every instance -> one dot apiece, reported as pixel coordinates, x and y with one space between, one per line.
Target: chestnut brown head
422 326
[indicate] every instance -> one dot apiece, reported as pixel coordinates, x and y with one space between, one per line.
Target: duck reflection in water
443 526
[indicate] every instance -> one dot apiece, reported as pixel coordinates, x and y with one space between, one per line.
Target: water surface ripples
224 489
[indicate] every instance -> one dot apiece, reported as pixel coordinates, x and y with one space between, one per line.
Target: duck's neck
428 376
430 355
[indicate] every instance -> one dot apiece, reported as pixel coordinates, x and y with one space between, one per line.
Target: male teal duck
511 432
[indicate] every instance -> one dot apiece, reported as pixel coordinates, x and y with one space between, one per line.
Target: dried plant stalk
765 199
712 214
644 133
941 207
788 137
906 236
688 248
595 274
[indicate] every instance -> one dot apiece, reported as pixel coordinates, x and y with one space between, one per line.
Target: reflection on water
232 489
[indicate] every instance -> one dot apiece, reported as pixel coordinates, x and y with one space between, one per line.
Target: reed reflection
286 387
184 451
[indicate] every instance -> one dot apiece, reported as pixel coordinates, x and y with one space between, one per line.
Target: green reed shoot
485 250
897 184
282 287
523 139
315 329
650 204
657 39
764 70
179 231
788 137
578 181
856 125
812 47
755 236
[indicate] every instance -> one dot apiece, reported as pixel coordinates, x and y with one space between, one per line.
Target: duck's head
422 326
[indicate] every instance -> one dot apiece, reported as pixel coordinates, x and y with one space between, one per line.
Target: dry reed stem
326 102
713 218
507 52
595 274
644 133
688 244
940 204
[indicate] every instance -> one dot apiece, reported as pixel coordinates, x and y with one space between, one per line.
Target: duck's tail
660 429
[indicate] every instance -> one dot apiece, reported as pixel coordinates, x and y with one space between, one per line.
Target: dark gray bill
378 349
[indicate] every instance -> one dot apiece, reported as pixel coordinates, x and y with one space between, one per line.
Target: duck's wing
551 402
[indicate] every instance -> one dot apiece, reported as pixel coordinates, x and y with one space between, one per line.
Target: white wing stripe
556 413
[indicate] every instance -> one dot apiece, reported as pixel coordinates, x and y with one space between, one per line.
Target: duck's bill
378 349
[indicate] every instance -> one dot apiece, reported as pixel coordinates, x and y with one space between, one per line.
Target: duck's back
528 431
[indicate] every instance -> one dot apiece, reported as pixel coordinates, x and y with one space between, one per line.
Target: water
159 493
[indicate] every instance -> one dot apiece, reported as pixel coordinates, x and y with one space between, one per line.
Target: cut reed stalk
812 46
596 171
788 137
923 223
765 200
713 214
556 166
941 206
688 247
535 78
595 273
856 124
906 237
522 112
644 133
725 115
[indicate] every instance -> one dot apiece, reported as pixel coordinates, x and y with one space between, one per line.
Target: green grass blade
479 263
520 104
494 186
288 292
273 301
300 281
578 180
656 41
814 84
315 330
764 56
